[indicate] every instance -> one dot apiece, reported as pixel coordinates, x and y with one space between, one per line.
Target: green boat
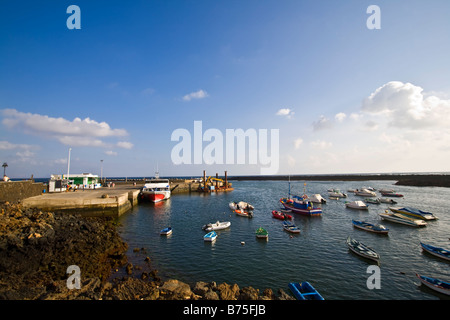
262 233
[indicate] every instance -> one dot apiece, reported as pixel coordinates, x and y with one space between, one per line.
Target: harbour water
318 254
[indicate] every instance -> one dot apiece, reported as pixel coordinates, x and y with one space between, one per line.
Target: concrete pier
103 202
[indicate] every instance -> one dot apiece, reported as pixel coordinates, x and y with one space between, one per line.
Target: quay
102 202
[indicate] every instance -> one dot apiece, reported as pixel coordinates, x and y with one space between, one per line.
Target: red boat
281 215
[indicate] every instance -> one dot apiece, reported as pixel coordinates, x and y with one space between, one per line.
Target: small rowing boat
216 226
304 291
290 227
166 231
244 213
435 284
362 250
262 233
210 236
377 228
436 251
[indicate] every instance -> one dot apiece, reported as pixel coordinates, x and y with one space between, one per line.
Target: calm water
318 254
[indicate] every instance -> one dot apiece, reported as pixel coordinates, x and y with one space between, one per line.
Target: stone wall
14 191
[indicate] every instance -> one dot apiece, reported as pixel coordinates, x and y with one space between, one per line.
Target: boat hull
304 291
435 251
362 250
155 196
403 220
435 284
413 213
370 227
307 211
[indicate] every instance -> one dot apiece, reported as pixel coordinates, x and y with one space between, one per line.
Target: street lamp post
101 171
68 166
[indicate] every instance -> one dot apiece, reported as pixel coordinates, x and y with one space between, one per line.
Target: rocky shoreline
36 248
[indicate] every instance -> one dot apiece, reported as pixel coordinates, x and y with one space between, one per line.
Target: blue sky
344 98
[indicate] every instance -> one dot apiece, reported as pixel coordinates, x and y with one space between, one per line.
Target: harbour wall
13 191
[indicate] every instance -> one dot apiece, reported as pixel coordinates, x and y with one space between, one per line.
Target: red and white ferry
156 189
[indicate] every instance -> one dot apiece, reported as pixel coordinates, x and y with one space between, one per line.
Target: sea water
318 254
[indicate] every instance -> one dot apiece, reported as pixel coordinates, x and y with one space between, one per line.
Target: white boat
357 205
387 200
317 198
210 236
156 189
412 212
435 284
216 226
399 218
365 193
241 205
336 193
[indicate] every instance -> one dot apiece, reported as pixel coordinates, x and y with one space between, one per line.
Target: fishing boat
436 251
391 194
416 213
281 215
362 250
356 205
210 236
166 231
241 205
387 200
262 233
300 206
156 189
304 291
435 284
376 228
244 213
365 193
372 200
290 227
399 218
216 226
336 193
317 198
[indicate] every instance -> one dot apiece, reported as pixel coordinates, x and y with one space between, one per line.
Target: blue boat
290 227
210 236
436 251
435 284
166 231
377 228
304 291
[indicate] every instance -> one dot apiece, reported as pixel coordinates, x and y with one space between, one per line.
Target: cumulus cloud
406 106
340 117
78 132
200 94
322 123
111 153
298 142
285 112
125 144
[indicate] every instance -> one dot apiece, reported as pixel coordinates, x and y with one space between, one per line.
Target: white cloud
200 94
5 145
285 112
111 153
77 132
298 142
405 106
340 117
322 123
125 144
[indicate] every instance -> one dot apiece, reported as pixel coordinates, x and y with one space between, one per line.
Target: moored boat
244 213
372 200
241 205
365 193
387 200
216 226
391 194
317 198
399 218
362 250
290 227
336 193
356 205
262 233
416 213
210 236
436 251
435 284
376 228
166 231
281 215
300 206
304 291
156 189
